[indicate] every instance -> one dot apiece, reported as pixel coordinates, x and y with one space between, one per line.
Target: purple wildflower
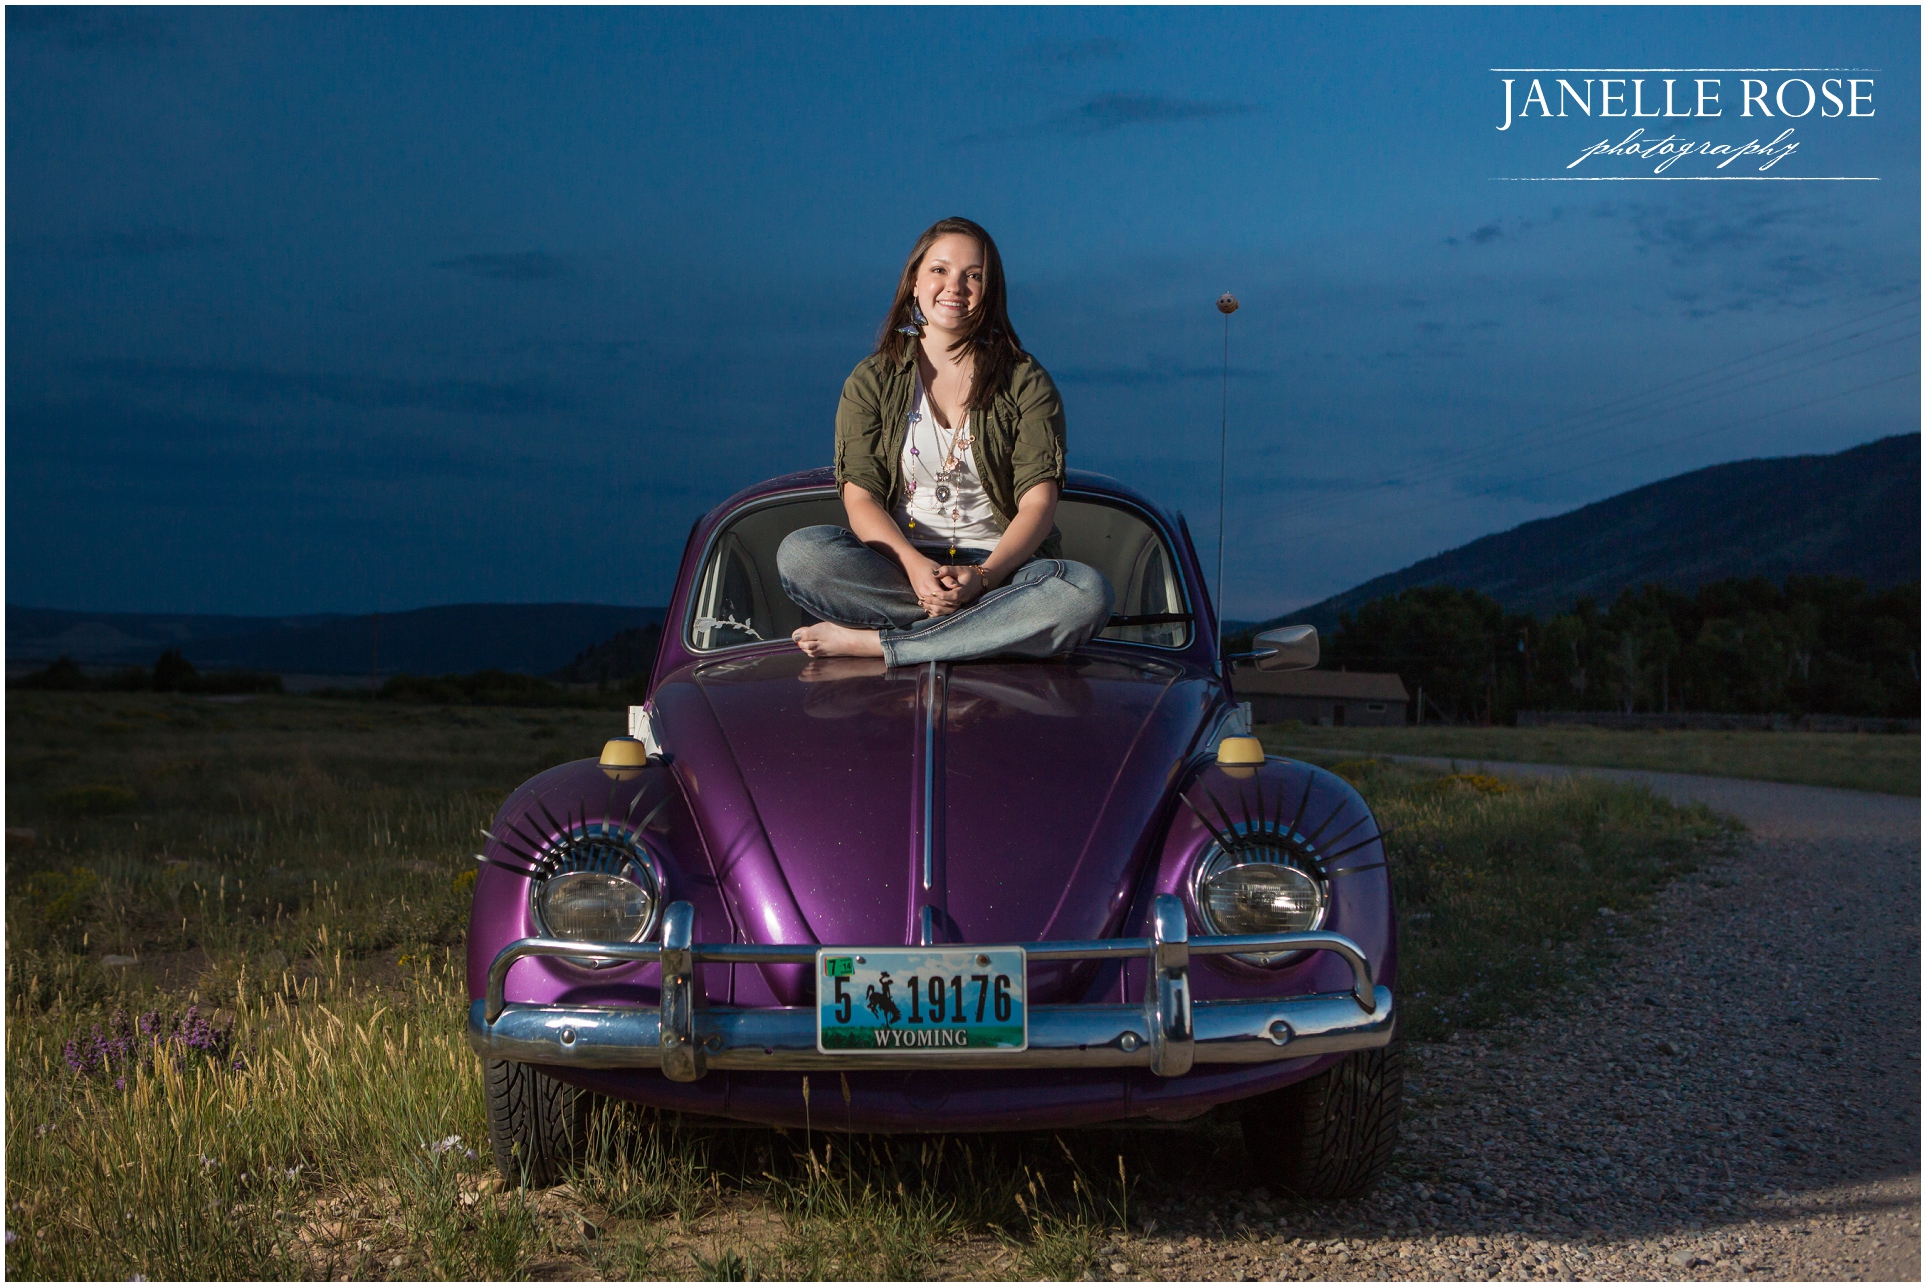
125 1043
12 1237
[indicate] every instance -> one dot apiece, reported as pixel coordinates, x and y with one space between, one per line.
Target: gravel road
1741 1103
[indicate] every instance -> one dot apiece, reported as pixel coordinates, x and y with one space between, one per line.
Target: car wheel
1329 1136
536 1124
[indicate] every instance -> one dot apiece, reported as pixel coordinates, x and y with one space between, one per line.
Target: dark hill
628 655
128 638
1852 514
533 638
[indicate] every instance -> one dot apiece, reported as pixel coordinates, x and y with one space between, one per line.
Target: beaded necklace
943 479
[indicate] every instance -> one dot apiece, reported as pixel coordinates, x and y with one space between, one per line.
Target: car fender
1322 811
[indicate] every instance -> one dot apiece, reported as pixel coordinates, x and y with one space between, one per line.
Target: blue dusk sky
349 309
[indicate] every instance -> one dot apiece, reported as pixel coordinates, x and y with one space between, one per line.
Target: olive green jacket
1015 445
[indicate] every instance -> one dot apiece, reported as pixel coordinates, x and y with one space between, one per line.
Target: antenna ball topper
1227 303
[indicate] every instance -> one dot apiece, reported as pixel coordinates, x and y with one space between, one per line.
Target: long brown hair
998 350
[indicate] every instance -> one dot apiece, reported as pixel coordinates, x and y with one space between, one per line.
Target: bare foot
830 669
827 639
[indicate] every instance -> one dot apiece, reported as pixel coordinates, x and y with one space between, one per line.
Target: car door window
740 599
1136 560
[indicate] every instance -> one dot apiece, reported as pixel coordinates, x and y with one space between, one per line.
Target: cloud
1495 230
256 385
1115 111
1107 112
530 266
135 243
166 461
1497 485
1689 230
84 27
1131 377
1071 53
1746 251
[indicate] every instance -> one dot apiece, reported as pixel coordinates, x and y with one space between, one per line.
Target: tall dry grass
1887 762
295 869
1509 893
175 1166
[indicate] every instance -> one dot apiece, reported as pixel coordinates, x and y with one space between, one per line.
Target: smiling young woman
950 459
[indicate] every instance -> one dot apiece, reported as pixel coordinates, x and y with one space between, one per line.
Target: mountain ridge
1851 513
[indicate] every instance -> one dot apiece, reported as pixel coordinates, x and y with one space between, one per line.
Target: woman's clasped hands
944 588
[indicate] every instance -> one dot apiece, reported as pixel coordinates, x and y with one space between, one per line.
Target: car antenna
1226 304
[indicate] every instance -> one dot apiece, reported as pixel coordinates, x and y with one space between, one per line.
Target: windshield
740 600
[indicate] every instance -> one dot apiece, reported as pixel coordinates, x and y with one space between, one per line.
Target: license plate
920 999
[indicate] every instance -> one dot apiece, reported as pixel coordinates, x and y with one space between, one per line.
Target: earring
917 320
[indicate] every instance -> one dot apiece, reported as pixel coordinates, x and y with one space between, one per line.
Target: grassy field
1886 762
235 1007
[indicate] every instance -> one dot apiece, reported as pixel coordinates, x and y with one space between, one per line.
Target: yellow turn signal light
623 753
1240 752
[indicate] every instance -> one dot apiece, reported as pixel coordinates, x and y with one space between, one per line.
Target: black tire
1330 1136
536 1124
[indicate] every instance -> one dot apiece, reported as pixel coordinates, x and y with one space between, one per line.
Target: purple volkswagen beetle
993 895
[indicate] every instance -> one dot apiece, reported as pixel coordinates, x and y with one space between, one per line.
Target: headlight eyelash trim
1263 827
533 856
1271 834
575 844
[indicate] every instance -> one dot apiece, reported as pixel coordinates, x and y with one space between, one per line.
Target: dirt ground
1739 1102
1742 1102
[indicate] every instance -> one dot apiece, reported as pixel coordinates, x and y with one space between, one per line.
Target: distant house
1331 697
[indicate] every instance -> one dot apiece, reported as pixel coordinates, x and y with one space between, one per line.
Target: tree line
1814 645
171 673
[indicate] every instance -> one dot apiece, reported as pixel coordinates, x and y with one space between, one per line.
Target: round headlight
1261 898
1257 888
599 885
596 907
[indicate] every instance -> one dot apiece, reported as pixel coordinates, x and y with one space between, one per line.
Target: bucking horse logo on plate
876 995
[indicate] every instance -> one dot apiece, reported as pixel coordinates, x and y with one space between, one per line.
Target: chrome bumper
1167 1033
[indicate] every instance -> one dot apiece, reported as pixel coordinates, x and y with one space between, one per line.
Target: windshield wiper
1151 619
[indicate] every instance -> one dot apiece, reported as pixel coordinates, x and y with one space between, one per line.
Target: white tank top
942 504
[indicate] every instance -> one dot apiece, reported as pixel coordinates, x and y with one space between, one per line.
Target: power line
1666 409
1663 406
1636 451
1763 415
1633 398
1646 400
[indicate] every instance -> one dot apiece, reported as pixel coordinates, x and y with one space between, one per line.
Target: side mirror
1285 648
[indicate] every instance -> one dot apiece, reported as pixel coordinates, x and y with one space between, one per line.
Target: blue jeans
1047 606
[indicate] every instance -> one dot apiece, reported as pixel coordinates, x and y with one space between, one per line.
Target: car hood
1036 783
